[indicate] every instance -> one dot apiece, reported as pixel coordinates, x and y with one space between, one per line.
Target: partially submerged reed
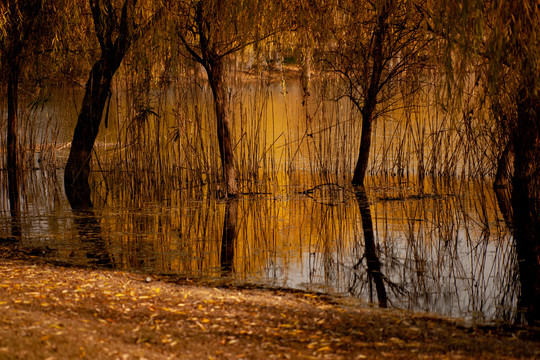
159 159
415 137
159 136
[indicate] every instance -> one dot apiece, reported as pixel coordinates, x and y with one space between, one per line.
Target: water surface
445 250
426 244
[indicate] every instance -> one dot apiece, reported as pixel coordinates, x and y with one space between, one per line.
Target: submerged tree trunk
224 127
13 167
526 202
77 169
228 241
19 25
12 129
210 53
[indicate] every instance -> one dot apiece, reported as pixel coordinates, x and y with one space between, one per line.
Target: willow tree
512 51
17 28
500 40
374 47
117 27
211 31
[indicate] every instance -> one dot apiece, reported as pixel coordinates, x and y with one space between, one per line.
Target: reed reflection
373 264
230 233
434 250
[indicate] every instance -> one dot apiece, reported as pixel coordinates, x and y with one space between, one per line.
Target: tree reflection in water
228 241
528 256
93 244
437 252
88 228
373 264
14 202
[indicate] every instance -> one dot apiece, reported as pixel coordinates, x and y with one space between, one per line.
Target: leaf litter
54 312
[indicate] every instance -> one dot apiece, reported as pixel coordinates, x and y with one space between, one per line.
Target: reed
431 240
160 135
414 136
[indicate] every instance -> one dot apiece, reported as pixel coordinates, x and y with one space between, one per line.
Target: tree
374 47
500 40
116 29
522 18
211 31
18 25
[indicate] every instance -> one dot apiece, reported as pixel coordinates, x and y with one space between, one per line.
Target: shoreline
57 312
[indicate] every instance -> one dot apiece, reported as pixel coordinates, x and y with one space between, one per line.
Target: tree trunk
305 73
370 100
363 155
526 202
223 118
504 201
228 240
12 156
18 27
504 167
114 38
77 169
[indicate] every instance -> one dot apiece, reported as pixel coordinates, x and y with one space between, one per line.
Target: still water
446 250
421 244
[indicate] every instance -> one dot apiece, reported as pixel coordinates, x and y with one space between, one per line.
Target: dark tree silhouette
22 17
115 35
210 31
373 48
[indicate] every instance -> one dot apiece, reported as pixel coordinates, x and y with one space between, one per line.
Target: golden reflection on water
442 248
442 245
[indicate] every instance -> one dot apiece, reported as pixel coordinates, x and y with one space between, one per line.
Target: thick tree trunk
114 38
504 201
224 127
77 169
526 202
228 241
